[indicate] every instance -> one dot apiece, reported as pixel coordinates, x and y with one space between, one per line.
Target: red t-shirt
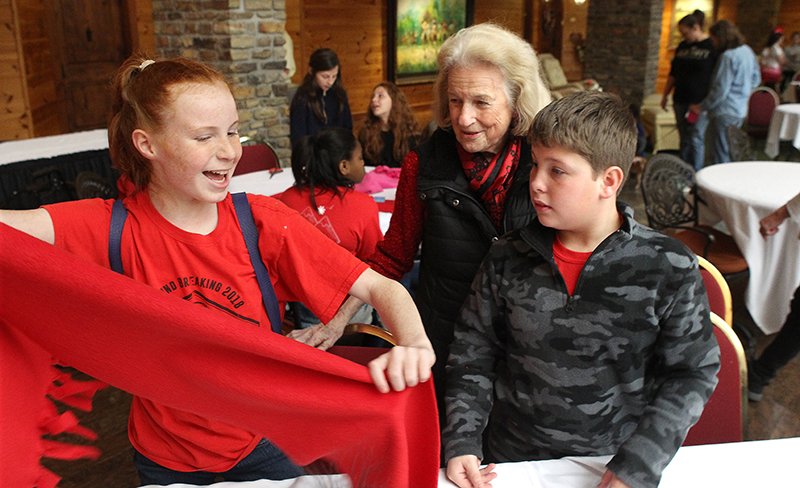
350 219
214 271
570 263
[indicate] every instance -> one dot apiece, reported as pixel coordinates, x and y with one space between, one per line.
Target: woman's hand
610 480
323 336
320 336
465 471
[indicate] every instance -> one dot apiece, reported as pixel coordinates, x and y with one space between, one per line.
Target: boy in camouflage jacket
585 332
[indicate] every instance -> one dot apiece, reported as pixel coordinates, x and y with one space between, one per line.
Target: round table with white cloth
784 126
740 195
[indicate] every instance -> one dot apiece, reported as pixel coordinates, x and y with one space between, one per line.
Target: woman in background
321 100
690 76
735 78
390 130
773 60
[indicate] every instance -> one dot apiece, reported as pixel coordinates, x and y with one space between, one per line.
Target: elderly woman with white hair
464 187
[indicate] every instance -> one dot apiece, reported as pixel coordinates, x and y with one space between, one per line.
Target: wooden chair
760 107
719 293
257 157
725 414
372 330
670 202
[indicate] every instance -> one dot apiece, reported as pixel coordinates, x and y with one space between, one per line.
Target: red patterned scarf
490 176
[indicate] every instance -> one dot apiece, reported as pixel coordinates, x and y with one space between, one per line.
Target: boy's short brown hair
595 125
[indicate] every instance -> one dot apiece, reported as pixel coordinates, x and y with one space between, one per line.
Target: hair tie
145 64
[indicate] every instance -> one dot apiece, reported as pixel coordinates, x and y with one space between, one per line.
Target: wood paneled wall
30 74
15 121
357 31
43 77
789 19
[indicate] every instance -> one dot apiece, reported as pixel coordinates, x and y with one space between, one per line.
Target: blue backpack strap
118 216
250 234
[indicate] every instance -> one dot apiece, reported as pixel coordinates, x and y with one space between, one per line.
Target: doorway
90 42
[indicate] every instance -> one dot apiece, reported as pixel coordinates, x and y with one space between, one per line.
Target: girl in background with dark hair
690 76
321 100
325 168
735 78
390 130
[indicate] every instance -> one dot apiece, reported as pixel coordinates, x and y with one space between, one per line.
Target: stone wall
244 40
622 45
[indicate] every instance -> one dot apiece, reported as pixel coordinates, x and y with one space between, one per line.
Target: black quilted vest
457 231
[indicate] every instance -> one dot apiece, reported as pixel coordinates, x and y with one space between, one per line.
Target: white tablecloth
739 464
784 126
50 146
266 183
741 194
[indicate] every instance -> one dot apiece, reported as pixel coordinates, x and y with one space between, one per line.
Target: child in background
174 135
325 168
585 332
390 130
321 100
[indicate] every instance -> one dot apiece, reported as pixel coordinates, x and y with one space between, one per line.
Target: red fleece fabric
310 403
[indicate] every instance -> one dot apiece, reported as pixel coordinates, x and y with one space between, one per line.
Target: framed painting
417 29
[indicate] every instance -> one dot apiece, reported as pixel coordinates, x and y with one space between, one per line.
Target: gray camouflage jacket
623 367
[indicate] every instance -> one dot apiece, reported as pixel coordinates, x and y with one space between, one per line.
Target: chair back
724 416
257 157
717 289
668 190
551 67
760 107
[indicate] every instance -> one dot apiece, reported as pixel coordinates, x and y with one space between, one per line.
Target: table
739 195
41 170
50 146
266 183
660 124
739 464
784 126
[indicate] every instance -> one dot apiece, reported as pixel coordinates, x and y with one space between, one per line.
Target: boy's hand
465 471
610 480
402 366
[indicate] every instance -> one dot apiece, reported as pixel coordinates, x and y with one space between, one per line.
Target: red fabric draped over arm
308 402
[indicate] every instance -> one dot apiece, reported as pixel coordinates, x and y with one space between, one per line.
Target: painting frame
416 29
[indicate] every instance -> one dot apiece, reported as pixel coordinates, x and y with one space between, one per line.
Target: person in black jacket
690 76
321 100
